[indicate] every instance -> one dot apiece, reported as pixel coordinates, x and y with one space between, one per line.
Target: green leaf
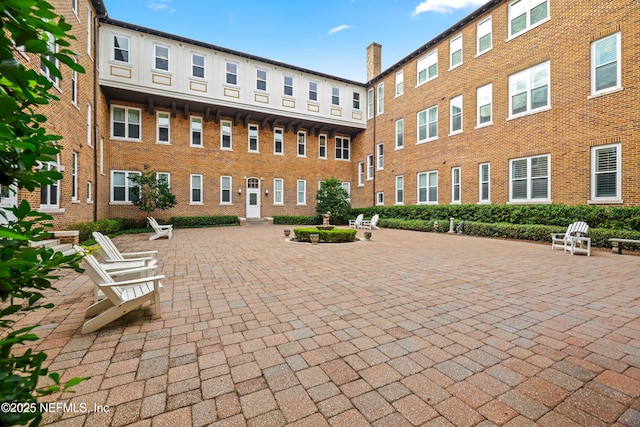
8 234
36 46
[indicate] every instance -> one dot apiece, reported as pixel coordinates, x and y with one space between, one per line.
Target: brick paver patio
409 329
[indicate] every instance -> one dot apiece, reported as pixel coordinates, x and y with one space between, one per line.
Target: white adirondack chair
372 223
160 230
356 223
112 254
121 297
574 240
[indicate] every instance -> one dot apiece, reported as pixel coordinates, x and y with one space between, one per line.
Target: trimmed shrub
297 220
337 235
204 221
105 226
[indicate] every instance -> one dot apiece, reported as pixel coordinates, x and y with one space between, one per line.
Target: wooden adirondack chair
160 230
356 223
371 224
574 240
121 297
112 254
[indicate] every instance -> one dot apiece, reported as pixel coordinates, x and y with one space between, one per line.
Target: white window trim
89 192
312 82
478 36
404 196
53 207
379 157
168 176
480 182
304 192
370 167
380 198
323 137
428 201
284 85
191 188
281 133
353 100
74 177
304 144
426 111
204 66
527 27
342 148
126 200
191 121
360 174
380 99
257 134
400 75
606 200
371 103
266 80
530 111
89 31
226 73
222 179
155 56
490 122
399 147
451 41
334 88
158 114
74 88
595 93
529 200
426 58
453 185
89 124
113 48
275 192
222 125
126 123
451 101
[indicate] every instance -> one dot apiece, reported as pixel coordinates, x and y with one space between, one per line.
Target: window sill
605 202
427 140
51 210
484 125
301 156
455 66
199 79
399 148
196 203
165 72
121 63
163 143
196 146
605 92
483 52
398 95
75 201
253 152
484 202
301 204
529 202
121 138
458 132
112 203
226 149
278 154
528 113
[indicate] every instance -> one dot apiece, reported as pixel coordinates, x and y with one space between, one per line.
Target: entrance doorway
253 198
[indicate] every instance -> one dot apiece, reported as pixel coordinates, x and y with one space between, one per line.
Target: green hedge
297 220
204 221
618 218
541 233
337 235
106 226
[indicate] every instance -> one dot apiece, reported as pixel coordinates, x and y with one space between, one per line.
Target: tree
151 192
34 27
332 197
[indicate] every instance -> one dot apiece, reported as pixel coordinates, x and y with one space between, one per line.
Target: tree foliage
332 197
151 193
25 272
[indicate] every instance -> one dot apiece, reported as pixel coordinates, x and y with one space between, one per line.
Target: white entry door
253 198
8 199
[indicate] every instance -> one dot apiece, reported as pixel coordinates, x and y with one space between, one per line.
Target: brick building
526 101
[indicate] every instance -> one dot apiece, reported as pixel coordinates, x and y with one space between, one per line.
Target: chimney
374 60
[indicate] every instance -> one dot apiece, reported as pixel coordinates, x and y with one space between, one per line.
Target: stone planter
367 235
287 232
315 238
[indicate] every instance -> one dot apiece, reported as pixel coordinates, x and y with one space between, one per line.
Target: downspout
95 128
374 148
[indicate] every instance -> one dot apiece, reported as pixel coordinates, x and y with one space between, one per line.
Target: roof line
181 39
455 27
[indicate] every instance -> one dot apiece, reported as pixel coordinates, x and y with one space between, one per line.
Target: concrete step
257 221
65 248
44 243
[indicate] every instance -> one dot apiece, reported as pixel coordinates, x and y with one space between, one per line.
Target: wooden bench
616 244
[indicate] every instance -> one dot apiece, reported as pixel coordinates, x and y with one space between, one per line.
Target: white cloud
445 6
338 28
161 5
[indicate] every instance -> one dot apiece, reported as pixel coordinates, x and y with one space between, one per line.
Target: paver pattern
409 329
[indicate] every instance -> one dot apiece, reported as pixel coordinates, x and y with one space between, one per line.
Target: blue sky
330 36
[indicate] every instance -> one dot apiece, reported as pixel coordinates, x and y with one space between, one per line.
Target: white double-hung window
526 14
125 123
605 64
530 179
606 177
529 90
